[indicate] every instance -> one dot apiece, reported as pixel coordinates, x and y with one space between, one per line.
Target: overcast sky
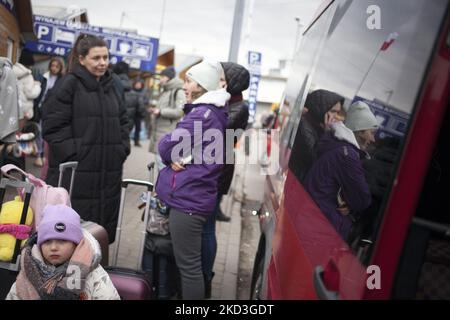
203 27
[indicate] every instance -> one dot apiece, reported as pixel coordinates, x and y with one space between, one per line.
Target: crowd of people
85 113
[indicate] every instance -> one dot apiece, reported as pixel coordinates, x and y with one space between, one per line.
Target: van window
384 69
299 81
424 267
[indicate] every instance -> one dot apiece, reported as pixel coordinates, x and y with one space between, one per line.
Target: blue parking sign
254 66
56 37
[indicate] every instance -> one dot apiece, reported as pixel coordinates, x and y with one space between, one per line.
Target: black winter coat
134 102
237 119
84 121
309 132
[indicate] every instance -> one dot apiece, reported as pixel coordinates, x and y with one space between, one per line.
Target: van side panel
411 174
303 229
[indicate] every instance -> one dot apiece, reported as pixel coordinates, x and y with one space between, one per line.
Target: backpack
43 194
173 97
158 221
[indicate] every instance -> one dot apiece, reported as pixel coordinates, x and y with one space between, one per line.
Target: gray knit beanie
359 117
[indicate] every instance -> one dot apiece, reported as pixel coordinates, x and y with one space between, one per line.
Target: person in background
48 81
322 108
235 79
188 183
9 121
29 89
85 121
135 102
337 181
51 257
121 82
168 111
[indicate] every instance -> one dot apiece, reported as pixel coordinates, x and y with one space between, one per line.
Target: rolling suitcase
159 264
93 228
158 260
131 284
9 270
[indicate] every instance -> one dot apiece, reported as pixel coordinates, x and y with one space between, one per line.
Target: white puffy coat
29 89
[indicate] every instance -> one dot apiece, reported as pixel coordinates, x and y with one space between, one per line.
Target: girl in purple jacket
194 154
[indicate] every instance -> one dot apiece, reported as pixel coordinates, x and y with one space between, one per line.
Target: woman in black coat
236 79
322 107
84 121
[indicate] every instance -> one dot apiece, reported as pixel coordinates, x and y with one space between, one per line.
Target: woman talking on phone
188 183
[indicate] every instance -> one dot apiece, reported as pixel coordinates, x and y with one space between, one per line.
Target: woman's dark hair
26 58
83 44
121 67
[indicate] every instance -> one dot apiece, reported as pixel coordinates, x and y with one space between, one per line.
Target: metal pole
367 73
237 29
122 18
162 19
297 35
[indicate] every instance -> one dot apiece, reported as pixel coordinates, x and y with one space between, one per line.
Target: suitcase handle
28 187
147 184
125 183
62 167
68 165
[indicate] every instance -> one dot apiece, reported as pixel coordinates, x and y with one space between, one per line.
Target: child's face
56 252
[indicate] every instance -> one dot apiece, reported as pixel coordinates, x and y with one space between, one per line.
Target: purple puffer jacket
338 167
194 190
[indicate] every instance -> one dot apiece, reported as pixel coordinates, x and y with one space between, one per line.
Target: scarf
235 98
38 280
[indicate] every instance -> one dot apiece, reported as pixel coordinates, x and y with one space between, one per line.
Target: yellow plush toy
11 230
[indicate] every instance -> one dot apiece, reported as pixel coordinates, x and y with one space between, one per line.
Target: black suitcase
9 270
159 263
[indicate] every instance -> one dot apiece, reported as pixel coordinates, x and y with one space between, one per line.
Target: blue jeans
147 263
209 243
165 276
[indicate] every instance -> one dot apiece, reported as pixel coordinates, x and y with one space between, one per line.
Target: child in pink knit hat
61 262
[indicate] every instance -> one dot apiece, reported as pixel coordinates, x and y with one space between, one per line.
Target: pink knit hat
59 222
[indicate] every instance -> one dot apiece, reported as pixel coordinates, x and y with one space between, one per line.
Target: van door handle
322 292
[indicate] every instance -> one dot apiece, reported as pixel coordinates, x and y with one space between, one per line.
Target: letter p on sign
42 31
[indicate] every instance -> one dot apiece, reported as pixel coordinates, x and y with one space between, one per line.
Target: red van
395 56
